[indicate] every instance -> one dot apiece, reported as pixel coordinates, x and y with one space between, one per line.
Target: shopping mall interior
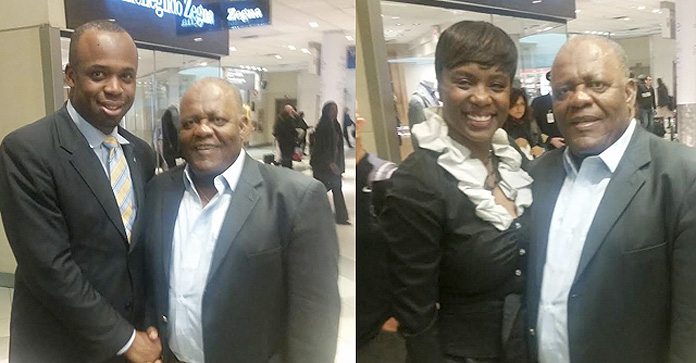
285 52
373 54
408 31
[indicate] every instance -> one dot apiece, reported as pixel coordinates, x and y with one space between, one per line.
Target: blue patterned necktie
121 183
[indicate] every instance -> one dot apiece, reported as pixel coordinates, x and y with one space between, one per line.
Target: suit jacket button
164 319
531 331
522 252
128 306
518 272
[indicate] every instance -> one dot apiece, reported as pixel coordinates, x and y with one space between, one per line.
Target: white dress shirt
577 203
95 139
195 235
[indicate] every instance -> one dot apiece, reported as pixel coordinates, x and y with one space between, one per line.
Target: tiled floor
345 351
5 304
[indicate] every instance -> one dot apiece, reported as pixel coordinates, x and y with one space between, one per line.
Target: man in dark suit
613 249
542 110
78 289
241 256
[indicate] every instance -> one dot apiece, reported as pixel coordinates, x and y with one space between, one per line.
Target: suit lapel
89 167
243 201
548 187
172 195
626 181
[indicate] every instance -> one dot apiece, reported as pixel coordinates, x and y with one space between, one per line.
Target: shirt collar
228 179
611 156
93 135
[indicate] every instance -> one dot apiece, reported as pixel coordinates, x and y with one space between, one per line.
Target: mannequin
425 96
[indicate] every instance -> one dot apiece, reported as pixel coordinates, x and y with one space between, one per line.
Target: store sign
194 25
560 9
190 15
242 80
241 14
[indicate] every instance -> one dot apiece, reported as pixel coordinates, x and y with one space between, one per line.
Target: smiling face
102 81
591 95
212 129
475 102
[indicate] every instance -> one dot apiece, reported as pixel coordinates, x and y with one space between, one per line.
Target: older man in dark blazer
613 251
71 193
241 256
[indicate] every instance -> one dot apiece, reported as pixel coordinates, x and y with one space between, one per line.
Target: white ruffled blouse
471 173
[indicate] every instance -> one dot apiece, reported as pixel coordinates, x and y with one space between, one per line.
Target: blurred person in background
328 161
519 125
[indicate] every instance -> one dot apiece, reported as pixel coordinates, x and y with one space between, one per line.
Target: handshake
146 348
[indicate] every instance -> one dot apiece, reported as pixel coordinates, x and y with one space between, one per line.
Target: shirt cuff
128 345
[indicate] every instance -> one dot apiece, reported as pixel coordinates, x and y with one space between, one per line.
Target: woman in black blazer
454 217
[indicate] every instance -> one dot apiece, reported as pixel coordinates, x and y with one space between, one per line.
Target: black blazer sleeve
683 261
39 237
313 299
411 220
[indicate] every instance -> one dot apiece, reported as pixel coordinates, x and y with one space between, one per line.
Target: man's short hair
231 91
616 47
103 25
475 42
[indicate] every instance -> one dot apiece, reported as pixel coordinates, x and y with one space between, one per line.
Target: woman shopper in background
327 160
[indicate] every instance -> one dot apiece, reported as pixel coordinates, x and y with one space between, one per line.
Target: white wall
308 90
662 53
23 13
638 52
414 73
21 97
278 85
349 99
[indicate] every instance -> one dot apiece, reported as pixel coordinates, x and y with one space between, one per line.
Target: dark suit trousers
334 184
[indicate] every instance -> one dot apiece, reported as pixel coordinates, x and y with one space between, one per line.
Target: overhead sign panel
185 24
558 9
246 13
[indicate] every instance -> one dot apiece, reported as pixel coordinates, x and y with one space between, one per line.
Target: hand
557 142
537 151
146 347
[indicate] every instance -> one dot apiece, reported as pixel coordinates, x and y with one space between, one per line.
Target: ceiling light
382 15
305 50
395 17
655 11
277 56
594 32
641 7
577 11
197 39
548 28
314 24
292 47
612 34
265 69
587 32
112 20
536 1
349 38
233 49
398 24
626 19
203 64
